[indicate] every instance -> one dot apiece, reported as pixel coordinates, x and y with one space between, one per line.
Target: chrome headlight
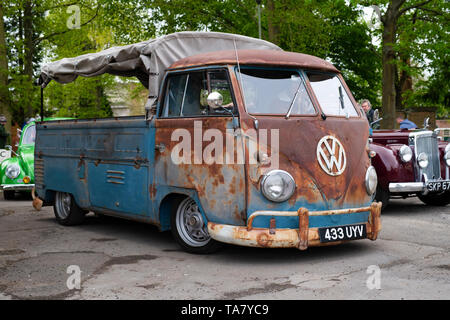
12 171
405 153
277 185
371 180
422 160
447 157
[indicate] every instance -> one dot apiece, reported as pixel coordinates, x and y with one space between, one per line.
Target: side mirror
215 100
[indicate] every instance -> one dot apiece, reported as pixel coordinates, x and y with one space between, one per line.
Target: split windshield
283 92
268 91
331 94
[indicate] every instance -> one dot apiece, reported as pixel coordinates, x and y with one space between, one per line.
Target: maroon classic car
411 163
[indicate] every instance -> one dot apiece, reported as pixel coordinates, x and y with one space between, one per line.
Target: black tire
9 194
67 212
188 228
25 195
435 199
383 196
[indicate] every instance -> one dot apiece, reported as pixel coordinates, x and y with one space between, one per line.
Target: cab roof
257 58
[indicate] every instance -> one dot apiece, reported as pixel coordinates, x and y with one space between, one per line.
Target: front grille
38 173
427 142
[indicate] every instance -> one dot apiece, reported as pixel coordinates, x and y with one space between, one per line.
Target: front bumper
406 187
300 238
17 187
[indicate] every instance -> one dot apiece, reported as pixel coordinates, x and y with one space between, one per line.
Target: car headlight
422 160
447 157
12 171
277 185
405 153
447 148
371 180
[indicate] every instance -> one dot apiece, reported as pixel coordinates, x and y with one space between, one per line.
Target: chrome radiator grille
427 142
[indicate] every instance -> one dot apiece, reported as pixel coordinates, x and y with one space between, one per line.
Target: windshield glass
29 136
274 92
330 93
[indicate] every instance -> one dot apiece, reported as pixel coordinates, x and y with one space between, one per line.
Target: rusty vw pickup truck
242 143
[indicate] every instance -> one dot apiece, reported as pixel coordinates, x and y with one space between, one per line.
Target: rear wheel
435 199
188 228
67 212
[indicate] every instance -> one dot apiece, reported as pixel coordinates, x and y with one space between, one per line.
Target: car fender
3 178
389 166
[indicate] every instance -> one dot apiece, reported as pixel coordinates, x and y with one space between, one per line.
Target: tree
35 28
4 92
328 29
391 13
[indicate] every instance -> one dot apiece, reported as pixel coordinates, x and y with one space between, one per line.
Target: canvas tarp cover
147 60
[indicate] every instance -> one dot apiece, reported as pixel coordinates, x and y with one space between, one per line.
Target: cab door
197 148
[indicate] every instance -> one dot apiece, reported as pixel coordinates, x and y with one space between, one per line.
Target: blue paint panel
62 175
79 154
314 221
118 187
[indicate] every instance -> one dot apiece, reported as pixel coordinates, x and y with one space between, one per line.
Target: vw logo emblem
331 156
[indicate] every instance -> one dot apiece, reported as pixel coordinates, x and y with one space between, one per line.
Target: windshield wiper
292 102
341 98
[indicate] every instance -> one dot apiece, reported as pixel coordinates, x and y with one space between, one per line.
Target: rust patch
256 57
152 191
303 217
272 226
263 239
232 188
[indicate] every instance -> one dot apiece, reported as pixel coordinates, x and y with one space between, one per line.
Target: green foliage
423 51
84 98
330 29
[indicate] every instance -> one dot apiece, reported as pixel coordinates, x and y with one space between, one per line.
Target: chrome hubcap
190 224
62 202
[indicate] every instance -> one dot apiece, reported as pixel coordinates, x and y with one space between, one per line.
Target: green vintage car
17 172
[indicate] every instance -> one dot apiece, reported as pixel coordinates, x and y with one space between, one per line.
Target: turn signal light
26 179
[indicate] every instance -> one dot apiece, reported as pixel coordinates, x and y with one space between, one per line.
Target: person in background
406 124
3 134
367 107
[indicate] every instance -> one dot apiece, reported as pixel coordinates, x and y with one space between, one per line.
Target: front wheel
189 229
435 199
9 194
67 212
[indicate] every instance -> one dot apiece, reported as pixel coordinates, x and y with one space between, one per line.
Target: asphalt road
118 259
